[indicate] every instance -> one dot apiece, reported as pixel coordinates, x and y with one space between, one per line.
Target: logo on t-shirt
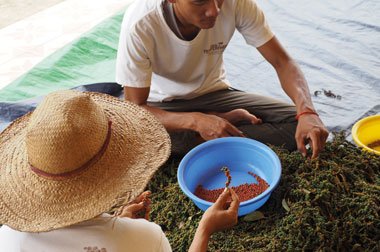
94 249
215 49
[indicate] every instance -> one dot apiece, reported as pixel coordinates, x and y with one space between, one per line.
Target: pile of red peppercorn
245 191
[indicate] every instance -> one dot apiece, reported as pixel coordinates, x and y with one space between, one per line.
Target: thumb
255 120
222 199
301 146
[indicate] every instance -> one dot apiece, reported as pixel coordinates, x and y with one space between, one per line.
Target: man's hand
238 115
310 129
211 126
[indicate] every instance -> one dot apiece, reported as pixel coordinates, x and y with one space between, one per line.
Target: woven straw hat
74 157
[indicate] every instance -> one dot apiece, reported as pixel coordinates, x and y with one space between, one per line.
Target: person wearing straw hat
66 164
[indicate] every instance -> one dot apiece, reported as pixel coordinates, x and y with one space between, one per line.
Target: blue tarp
336 44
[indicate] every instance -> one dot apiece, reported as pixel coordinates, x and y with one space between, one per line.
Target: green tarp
89 59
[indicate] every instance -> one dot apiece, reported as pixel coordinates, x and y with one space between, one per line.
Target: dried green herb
334 204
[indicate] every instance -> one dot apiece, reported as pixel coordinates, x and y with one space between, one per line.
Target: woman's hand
223 214
139 208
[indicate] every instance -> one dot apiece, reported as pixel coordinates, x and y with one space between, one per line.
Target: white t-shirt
102 234
151 55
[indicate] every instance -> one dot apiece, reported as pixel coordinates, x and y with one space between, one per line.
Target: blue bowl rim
204 145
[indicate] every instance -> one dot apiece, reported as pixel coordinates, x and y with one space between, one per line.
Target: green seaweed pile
328 204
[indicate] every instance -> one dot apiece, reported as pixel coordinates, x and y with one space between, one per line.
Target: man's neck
188 31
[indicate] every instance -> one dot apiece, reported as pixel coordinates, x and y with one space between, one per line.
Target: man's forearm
174 121
294 84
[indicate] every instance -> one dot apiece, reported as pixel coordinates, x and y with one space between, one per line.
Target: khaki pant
278 127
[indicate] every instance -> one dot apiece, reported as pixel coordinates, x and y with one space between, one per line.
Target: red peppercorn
244 191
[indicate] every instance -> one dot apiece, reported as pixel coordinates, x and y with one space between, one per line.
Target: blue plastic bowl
202 166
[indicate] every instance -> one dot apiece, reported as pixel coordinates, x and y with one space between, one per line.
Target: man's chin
207 25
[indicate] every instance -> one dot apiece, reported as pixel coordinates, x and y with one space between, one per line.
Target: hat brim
138 146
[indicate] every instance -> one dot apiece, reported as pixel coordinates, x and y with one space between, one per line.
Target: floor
15 10
37 31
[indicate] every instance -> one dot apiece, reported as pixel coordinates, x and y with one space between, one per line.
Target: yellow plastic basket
366 133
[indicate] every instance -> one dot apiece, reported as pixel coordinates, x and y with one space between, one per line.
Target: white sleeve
133 66
10 240
164 244
141 235
251 23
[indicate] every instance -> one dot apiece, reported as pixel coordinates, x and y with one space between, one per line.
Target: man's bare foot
238 115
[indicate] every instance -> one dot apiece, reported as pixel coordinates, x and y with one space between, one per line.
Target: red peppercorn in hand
227 173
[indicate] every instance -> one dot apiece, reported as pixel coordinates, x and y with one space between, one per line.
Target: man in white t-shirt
74 158
170 61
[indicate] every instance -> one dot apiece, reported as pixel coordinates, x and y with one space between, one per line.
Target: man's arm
293 82
207 125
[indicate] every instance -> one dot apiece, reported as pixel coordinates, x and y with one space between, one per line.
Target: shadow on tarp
10 111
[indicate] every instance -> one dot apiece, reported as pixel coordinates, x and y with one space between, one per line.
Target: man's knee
279 134
183 141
